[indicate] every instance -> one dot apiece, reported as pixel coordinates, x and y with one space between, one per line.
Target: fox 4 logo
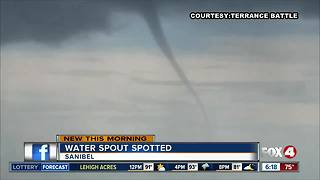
278 152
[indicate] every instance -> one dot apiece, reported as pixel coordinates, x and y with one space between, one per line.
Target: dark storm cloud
48 21
54 21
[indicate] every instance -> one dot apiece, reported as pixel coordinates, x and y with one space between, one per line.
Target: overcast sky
96 67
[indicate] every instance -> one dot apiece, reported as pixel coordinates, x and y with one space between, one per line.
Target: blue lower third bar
159 151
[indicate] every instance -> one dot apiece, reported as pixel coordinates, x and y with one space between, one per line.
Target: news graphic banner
140 153
157 151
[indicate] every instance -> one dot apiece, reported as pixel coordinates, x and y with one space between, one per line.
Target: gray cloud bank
54 21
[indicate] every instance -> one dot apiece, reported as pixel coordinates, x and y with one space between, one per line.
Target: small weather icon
250 167
161 167
205 166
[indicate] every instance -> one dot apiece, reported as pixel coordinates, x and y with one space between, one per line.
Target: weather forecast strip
157 151
134 167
